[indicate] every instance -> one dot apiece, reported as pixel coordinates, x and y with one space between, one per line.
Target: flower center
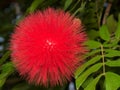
49 44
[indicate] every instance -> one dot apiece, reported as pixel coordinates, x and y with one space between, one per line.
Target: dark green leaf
80 9
21 86
104 33
83 77
5 57
92 34
112 81
92 84
111 24
34 5
117 33
67 4
85 65
92 44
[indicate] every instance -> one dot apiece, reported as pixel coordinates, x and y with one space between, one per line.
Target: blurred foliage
101 69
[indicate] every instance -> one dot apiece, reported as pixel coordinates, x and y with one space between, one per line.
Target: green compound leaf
80 80
92 44
85 65
115 63
104 33
67 4
112 81
92 84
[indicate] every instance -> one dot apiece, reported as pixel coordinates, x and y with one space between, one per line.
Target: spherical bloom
45 46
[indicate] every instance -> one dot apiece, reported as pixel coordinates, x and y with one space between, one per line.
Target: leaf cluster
101 70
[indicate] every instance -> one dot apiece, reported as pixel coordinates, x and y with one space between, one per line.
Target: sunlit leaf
112 81
83 77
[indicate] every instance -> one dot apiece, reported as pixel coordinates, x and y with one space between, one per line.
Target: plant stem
107 11
103 58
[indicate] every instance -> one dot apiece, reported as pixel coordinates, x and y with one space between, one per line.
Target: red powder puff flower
45 46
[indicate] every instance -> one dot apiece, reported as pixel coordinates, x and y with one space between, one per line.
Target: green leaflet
5 57
21 86
84 66
104 33
83 77
111 24
92 84
115 63
112 44
117 33
92 34
80 9
92 44
112 81
2 81
7 68
67 4
92 52
112 53
87 81
34 5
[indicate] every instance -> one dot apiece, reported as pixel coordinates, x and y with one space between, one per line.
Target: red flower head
45 46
